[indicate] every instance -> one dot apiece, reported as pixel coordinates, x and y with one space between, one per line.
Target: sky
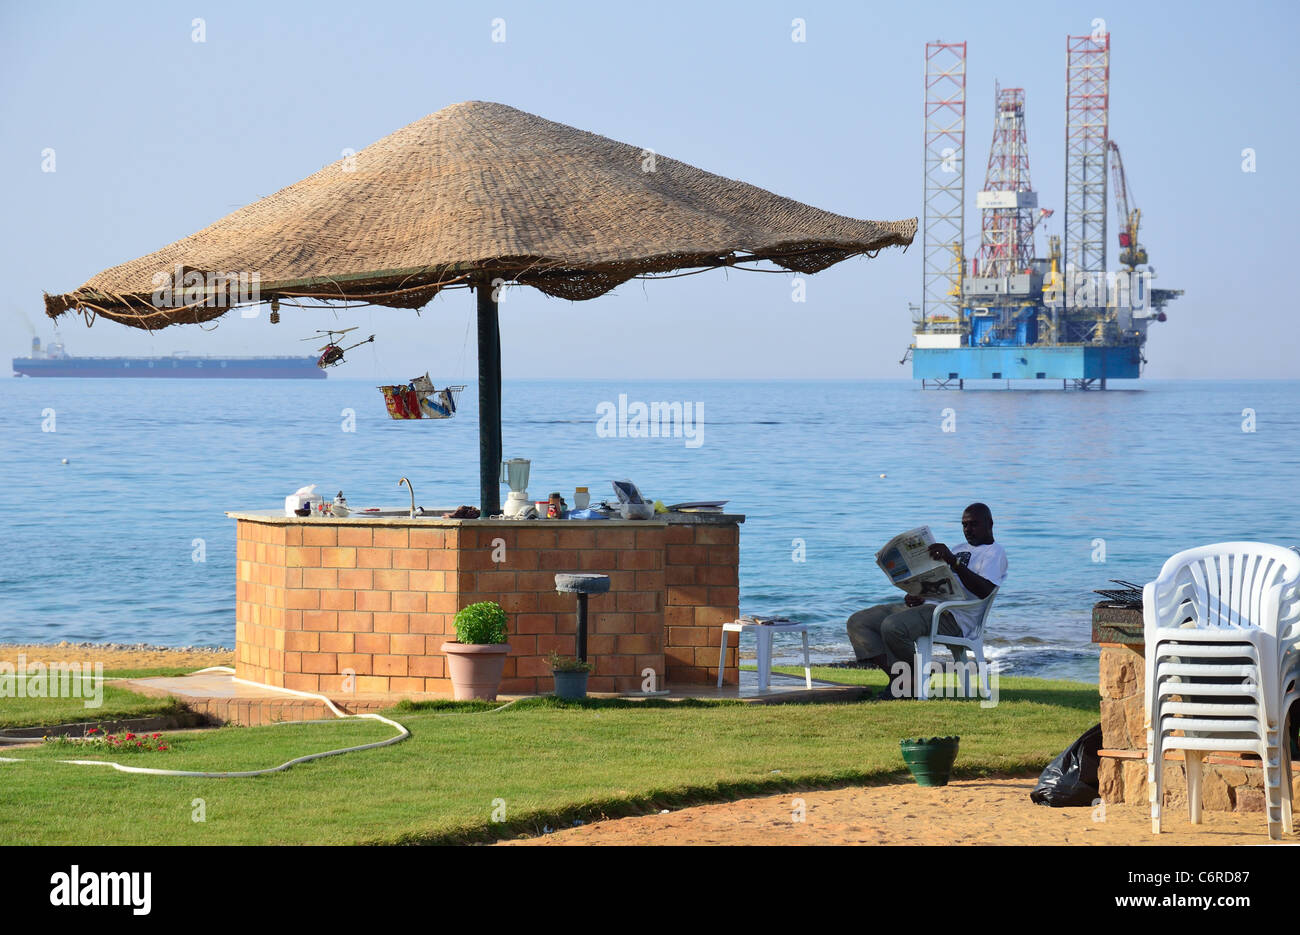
155 135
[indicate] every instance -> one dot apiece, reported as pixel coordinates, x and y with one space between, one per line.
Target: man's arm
979 586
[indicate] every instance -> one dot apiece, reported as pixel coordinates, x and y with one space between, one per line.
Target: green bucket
930 759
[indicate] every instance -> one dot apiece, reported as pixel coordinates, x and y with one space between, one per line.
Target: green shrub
484 622
560 663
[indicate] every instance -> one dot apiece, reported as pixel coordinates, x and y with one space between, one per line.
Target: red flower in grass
156 736
93 730
130 736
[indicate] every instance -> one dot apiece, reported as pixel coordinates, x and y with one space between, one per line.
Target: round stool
582 585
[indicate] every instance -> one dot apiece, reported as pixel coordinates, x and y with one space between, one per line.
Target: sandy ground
986 811
119 656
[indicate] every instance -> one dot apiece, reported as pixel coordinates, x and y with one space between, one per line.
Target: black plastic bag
1071 778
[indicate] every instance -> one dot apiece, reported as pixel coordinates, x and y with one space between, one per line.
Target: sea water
128 541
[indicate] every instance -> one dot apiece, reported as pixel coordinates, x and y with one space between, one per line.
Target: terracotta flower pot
475 669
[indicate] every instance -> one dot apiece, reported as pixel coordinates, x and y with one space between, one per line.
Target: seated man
886 634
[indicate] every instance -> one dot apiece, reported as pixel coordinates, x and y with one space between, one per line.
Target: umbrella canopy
478 188
473 194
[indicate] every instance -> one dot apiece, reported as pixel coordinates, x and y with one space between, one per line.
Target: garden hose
403 734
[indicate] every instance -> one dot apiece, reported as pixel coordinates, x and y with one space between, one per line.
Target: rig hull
1010 362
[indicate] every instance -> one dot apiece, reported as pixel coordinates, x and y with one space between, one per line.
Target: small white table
764 631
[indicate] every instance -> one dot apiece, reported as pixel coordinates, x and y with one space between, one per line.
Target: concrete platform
781 689
222 700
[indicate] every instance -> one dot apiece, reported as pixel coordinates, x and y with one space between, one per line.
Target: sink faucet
412 490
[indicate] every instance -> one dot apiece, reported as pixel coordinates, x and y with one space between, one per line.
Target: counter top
277 518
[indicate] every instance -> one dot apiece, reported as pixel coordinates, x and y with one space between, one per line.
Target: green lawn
118 703
540 761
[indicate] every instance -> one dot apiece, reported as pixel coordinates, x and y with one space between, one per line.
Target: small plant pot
930 759
475 669
570 685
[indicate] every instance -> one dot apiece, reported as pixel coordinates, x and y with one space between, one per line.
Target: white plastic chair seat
1221 745
1245 672
1226 710
1207 653
1208 689
1221 725
1238 656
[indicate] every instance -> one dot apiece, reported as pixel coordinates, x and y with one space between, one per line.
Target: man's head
977 524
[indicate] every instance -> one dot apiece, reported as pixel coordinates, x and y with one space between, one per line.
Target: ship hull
201 368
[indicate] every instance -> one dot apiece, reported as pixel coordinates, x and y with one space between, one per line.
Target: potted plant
570 676
477 658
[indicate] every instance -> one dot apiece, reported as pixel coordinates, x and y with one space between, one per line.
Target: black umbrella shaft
582 626
489 401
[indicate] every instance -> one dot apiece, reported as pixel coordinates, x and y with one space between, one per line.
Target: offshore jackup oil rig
1006 314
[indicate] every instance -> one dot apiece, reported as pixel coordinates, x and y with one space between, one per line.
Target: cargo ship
54 361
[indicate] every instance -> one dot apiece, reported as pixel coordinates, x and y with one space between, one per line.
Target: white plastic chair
1215 638
959 645
1220 708
1289 624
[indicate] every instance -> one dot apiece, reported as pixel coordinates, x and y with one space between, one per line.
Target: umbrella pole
489 401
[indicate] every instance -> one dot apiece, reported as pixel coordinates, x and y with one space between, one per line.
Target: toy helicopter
333 353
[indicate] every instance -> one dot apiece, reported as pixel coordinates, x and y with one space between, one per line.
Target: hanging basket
419 400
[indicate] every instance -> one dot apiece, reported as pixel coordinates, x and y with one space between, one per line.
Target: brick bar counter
377 596
1228 782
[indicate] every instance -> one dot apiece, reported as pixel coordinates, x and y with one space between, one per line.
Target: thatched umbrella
475 193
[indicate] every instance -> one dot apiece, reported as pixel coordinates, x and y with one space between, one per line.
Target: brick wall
374 599
624 626
701 574
315 598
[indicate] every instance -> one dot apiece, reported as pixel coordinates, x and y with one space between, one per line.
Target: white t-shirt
990 563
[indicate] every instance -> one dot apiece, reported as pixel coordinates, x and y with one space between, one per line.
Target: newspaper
906 560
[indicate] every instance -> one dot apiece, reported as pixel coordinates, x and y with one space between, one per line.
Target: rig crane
1132 253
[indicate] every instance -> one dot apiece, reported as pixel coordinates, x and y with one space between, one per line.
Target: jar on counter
555 507
581 498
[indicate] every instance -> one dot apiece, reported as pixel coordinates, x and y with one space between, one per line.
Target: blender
515 473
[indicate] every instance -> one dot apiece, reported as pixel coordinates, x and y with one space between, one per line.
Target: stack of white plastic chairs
1221 625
